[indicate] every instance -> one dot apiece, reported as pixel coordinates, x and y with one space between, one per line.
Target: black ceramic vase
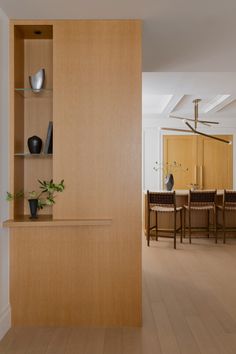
33 204
35 144
169 182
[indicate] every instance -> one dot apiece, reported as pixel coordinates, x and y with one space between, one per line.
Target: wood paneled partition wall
81 263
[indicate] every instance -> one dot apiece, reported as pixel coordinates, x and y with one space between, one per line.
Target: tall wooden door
208 162
181 149
215 163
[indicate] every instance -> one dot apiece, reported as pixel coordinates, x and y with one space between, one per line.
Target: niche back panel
38 112
30 113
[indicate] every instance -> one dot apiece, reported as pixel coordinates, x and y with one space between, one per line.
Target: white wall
152 145
4 240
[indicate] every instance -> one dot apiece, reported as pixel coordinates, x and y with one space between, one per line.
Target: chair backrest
202 197
161 198
229 197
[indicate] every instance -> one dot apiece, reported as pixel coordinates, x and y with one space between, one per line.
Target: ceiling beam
217 103
175 100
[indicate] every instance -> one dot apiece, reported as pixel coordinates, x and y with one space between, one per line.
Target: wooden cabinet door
215 163
183 150
209 162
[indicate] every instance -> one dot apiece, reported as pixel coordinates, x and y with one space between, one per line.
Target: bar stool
163 202
200 201
229 205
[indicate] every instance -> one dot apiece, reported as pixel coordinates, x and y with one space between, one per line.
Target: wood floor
189 307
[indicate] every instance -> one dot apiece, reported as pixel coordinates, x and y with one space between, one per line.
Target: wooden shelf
27 92
29 155
48 221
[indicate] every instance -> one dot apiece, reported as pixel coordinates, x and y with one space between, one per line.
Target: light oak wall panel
97 147
77 276
97 109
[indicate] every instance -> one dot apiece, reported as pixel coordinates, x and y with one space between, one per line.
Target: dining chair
200 201
163 202
228 205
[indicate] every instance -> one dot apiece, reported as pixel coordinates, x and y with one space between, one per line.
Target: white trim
234 158
143 160
160 158
217 103
5 321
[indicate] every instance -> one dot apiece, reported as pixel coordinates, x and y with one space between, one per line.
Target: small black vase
35 144
169 182
33 204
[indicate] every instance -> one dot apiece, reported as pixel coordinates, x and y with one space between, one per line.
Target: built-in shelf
48 221
27 92
27 154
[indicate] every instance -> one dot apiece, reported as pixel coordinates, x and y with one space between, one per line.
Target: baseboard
5 321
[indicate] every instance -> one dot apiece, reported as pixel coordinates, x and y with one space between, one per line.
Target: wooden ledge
48 221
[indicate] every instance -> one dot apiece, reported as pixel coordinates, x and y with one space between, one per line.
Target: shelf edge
54 223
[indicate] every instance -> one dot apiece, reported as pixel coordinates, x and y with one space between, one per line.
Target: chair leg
223 221
156 227
208 222
189 226
184 216
174 230
215 225
148 228
181 226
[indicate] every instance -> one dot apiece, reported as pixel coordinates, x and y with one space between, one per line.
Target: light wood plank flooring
189 307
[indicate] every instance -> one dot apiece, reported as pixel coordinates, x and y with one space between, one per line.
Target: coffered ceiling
178 35
173 93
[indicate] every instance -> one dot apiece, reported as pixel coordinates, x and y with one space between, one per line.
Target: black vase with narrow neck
169 182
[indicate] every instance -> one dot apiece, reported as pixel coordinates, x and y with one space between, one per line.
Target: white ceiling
173 93
155 103
178 35
203 83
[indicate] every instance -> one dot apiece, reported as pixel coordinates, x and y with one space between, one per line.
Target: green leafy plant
46 195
